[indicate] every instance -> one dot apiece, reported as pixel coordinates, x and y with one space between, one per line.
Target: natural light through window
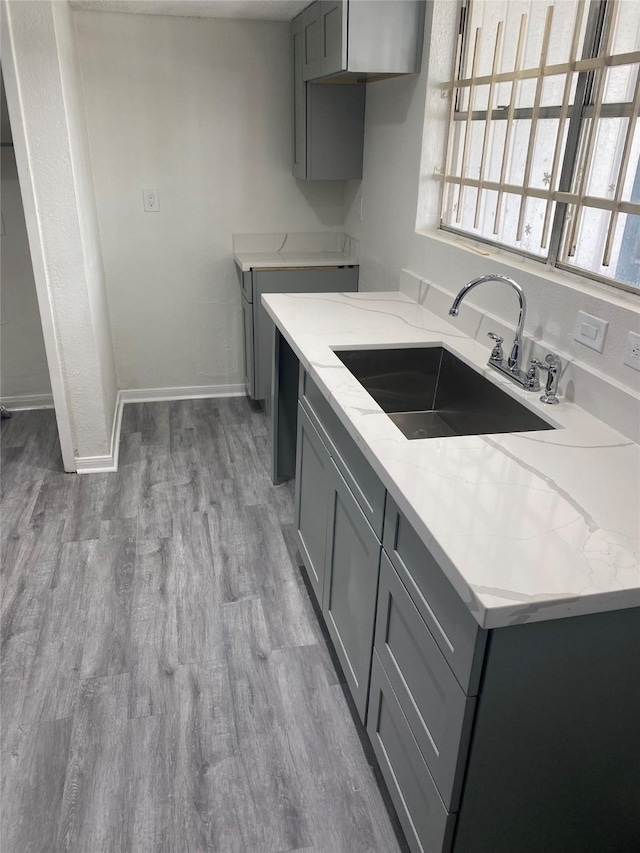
544 138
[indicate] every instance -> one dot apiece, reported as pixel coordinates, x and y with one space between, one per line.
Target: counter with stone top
526 526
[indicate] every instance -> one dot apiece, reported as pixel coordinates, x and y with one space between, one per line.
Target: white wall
399 187
201 110
23 361
45 106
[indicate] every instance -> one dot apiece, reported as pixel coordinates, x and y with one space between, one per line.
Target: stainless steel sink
429 393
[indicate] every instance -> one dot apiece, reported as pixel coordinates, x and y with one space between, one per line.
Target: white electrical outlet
150 200
590 331
632 351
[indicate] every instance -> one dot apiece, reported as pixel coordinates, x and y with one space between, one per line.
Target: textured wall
23 362
43 56
200 110
405 129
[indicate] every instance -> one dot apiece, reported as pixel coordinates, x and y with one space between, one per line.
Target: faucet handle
496 352
552 365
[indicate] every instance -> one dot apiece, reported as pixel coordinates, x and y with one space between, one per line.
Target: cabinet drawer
435 706
349 459
427 824
458 635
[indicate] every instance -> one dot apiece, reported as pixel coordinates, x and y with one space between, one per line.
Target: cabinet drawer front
437 710
312 501
351 583
427 824
458 635
356 470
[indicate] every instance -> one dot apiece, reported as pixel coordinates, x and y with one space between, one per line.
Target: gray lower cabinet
350 586
307 280
313 471
438 711
520 739
427 825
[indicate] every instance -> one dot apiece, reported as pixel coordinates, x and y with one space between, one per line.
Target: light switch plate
590 331
632 351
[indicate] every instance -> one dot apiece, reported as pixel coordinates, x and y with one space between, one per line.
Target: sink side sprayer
529 380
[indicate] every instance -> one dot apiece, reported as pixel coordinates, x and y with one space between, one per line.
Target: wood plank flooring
166 686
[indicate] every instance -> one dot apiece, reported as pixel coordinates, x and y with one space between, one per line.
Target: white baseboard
28 401
109 462
187 392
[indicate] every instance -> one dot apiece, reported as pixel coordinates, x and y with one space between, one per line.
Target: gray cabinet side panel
284 410
330 279
554 764
335 131
247 341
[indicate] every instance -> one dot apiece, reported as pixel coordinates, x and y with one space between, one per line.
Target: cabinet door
333 36
311 42
299 151
350 587
312 501
427 825
247 340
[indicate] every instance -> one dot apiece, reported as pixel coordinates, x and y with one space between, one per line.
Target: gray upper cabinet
308 23
363 39
328 121
333 36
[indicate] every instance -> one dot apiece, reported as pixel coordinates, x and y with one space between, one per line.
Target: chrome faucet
515 356
528 380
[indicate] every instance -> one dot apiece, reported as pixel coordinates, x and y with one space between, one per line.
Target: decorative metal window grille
543 154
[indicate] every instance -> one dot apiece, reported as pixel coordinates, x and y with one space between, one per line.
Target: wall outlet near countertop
632 351
150 200
590 331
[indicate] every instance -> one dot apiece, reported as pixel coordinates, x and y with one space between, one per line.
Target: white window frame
569 195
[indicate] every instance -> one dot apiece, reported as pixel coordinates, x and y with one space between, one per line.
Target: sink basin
429 393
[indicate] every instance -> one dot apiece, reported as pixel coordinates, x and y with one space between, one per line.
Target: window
543 155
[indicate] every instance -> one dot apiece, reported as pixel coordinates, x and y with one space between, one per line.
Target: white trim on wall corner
186 392
109 462
28 401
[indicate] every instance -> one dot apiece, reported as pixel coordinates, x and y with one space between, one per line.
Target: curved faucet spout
515 356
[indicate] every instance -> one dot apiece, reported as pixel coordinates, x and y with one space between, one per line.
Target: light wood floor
166 687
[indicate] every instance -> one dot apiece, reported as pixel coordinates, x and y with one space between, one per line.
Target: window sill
573 281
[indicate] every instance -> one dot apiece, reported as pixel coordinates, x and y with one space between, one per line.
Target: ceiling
257 10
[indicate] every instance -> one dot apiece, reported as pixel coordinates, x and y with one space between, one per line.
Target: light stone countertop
282 251
527 527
